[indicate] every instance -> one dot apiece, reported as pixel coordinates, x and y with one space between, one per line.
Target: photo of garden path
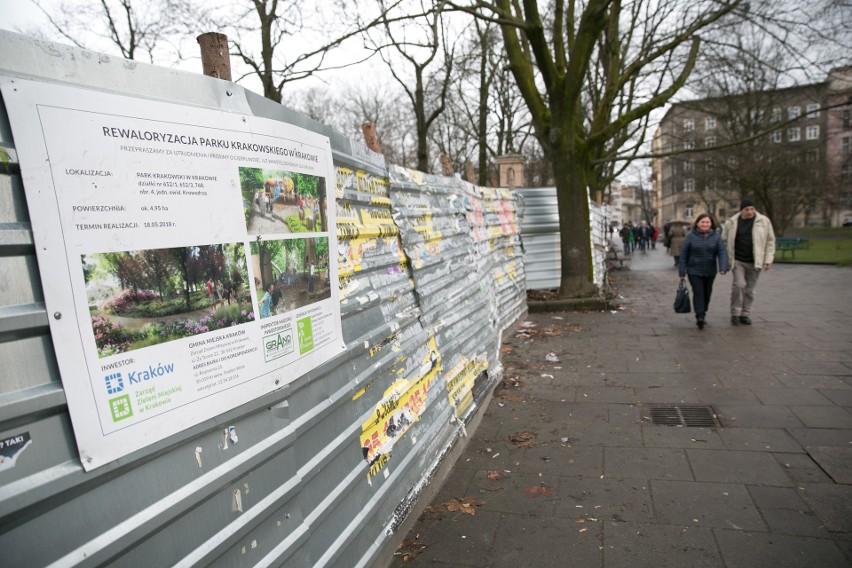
292 273
278 201
142 298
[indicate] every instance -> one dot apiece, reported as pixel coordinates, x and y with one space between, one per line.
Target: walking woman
702 255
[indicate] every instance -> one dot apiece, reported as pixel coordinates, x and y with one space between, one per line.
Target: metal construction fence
540 235
320 472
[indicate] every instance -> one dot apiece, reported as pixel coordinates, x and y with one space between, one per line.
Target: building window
811 156
812 110
688 124
689 185
688 210
846 145
776 137
812 133
710 123
847 118
794 134
733 161
775 115
723 213
846 177
794 112
756 116
710 141
689 144
710 184
687 166
710 165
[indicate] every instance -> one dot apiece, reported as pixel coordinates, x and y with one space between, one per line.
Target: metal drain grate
689 416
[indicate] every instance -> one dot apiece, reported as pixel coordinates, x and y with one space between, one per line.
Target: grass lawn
826 246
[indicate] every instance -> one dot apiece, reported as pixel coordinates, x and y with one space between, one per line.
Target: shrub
111 338
127 300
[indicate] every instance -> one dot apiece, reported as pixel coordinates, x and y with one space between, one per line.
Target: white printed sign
184 254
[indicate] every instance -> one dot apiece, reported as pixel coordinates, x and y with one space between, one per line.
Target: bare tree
591 73
754 74
135 29
420 60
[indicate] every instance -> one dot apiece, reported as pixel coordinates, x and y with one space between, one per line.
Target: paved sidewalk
567 468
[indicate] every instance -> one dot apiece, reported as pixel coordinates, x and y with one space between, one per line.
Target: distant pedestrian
702 255
676 235
625 233
655 234
750 243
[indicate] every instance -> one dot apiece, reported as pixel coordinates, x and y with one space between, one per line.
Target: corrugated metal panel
540 235
422 305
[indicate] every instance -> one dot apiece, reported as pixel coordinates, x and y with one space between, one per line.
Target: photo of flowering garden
146 297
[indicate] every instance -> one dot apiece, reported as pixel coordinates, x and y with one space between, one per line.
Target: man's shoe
745 320
700 323
735 320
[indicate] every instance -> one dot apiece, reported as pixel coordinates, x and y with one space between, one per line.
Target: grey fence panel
321 472
540 234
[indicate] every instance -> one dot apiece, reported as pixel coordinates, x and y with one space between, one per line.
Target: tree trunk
574 237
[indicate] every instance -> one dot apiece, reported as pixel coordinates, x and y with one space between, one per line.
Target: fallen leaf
494 475
467 505
409 550
506 350
510 397
522 439
536 490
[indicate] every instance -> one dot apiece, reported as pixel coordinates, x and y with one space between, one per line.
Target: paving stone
690 503
750 549
606 394
458 539
816 382
756 468
801 468
625 415
757 416
604 499
539 542
563 459
819 368
823 417
673 437
831 503
785 512
822 437
667 395
759 440
640 545
513 493
797 396
836 461
629 435
723 395
646 463
840 397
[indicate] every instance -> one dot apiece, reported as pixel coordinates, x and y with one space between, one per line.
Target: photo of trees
145 297
291 273
278 201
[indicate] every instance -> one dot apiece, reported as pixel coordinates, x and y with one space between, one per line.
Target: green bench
791 245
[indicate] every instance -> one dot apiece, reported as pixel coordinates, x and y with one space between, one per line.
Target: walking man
750 241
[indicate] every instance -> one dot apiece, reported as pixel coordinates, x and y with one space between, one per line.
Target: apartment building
789 149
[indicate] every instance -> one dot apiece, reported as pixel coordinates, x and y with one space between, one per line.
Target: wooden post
215 58
371 138
446 165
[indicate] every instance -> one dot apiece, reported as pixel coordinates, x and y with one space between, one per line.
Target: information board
184 254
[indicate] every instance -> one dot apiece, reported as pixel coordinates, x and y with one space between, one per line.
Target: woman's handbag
681 303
